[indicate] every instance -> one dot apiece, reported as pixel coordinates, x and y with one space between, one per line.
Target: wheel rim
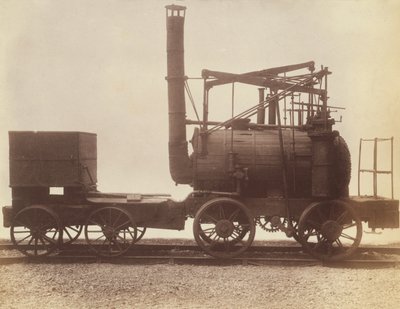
110 231
70 233
224 228
35 231
330 231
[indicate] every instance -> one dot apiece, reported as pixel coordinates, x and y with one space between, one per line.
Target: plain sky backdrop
99 66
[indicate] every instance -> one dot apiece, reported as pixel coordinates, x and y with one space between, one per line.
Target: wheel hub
331 230
36 232
224 228
108 232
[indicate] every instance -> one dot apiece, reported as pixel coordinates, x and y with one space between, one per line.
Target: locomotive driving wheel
110 231
330 230
224 228
35 230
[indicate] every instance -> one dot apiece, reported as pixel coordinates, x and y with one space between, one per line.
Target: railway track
191 254
137 248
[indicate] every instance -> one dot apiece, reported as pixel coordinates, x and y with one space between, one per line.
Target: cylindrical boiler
258 154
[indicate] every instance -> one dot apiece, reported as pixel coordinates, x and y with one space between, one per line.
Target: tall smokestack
179 163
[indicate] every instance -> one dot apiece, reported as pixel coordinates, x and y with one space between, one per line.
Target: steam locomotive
290 174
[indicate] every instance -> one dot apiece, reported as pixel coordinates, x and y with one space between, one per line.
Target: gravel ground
178 286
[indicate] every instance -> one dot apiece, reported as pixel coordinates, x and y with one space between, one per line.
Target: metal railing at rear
374 169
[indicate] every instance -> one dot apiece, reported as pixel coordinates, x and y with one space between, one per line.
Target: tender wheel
35 230
110 231
330 230
140 233
70 233
224 228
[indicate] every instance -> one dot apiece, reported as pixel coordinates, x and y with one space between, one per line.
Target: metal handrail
375 170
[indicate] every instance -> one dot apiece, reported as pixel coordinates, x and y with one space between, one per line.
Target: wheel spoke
339 243
68 234
319 244
42 240
24 238
342 217
132 235
30 241
102 219
118 245
123 224
50 240
313 224
77 230
347 226
310 233
330 248
331 212
210 218
321 215
222 212
122 238
98 238
35 246
227 244
234 215
347 236
235 233
110 247
96 223
54 234
211 234
116 220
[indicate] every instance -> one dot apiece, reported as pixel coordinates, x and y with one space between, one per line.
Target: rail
191 255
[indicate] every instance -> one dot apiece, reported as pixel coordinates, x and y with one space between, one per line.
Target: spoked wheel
330 231
224 228
35 231
110 231
70 233
140 233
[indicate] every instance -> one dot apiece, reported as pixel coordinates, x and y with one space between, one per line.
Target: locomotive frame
291 174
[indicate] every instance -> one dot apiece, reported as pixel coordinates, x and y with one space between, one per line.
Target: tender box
52 159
